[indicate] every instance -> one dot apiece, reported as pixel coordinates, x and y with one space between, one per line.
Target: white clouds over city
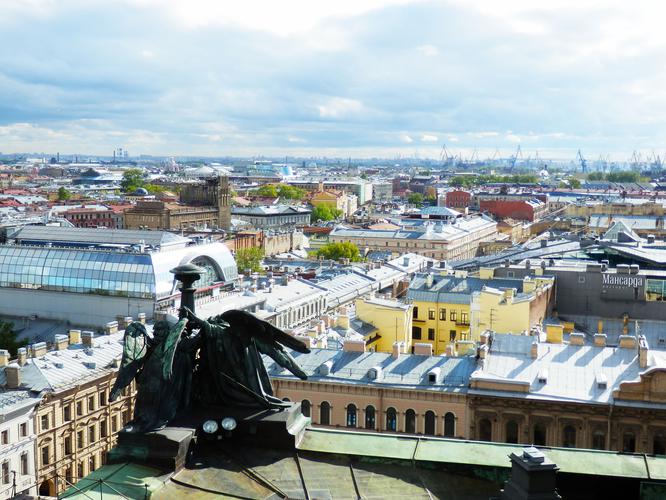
359 77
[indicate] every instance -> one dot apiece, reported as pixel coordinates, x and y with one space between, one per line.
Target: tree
596 176
266 191
415 199
8 338
290 192
249 258
574 183
133 179
623 177
336 251
325 213
63 194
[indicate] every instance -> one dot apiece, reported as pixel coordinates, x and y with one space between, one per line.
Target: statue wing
134 351
245 324
281 357
168 347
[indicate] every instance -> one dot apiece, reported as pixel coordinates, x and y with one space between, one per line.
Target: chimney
38 349
22 356
159 316
120 318
87 338
111 327
74 337
532 476
343 321
4 357
627 341
429 280
127 320
600 326
600 339
534 350
405 261
577 339
397 349
508 294
642 352
423 349
13 376
61 342
142 318
353 346
485 338
483 351
450 351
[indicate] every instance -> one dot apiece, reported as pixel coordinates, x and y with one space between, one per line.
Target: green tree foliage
336 251
623 177
266 191
290 192
596 176
133 179
574 183
249 258
415 199
63 194
479 180
8 338
155 188
325 213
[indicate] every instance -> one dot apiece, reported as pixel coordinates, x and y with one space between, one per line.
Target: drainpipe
608 432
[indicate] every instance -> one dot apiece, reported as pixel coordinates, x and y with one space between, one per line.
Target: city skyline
361 79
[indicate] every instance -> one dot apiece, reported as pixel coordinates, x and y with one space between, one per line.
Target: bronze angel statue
197 362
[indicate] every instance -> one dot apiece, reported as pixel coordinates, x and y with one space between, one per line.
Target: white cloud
429 138
406 138
428 50
453 138
340 107
294 139
513 138
147 54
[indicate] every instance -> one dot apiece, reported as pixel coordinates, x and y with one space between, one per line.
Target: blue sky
345 78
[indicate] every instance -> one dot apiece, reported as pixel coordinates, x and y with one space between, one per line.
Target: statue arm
135 347
281 357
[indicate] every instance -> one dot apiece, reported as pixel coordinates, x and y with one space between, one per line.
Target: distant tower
223 203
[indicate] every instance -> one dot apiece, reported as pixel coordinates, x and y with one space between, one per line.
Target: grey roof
58 234
653 330
409 370
455 290
441 211
268 210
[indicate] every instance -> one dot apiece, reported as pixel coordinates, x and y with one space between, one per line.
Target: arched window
598 440
370 417
629 442
485 430
391 420
659 444
512 432
410 421
569 436
305 408
429 423
325 413
351 415
539 437
449 425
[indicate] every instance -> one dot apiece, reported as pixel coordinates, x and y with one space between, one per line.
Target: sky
359 78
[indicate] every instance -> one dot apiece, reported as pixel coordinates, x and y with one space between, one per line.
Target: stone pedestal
533 477
165 449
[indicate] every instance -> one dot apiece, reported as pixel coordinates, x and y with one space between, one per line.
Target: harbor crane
582 161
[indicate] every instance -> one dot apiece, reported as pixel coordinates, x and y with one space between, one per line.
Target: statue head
160 330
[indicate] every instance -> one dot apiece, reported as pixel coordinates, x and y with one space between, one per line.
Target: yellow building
392 320
454 310
511 309
346 203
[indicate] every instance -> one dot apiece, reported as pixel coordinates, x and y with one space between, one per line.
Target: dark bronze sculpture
196 362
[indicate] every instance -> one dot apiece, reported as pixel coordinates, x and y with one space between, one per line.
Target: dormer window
542 377
601 381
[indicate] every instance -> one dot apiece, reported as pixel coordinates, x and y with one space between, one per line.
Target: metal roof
58 234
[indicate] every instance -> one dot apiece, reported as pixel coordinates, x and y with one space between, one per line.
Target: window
429 423
103 426
5 472
659 444
114 424
416 333
569 437
91 463
599 440
79 408
391 420
45 422
442 314
325 413
512 432
464 319
485 430
452 335
67 413
453 316
510 274
24 464
23 429
431 334
69 478
629 442
68 445
351 415
45 455
79 440
410 421
539 438
305 408
581 278
79 470
416 312
91 434
102 398
4 437
449 425
91 403
370 417
431 314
